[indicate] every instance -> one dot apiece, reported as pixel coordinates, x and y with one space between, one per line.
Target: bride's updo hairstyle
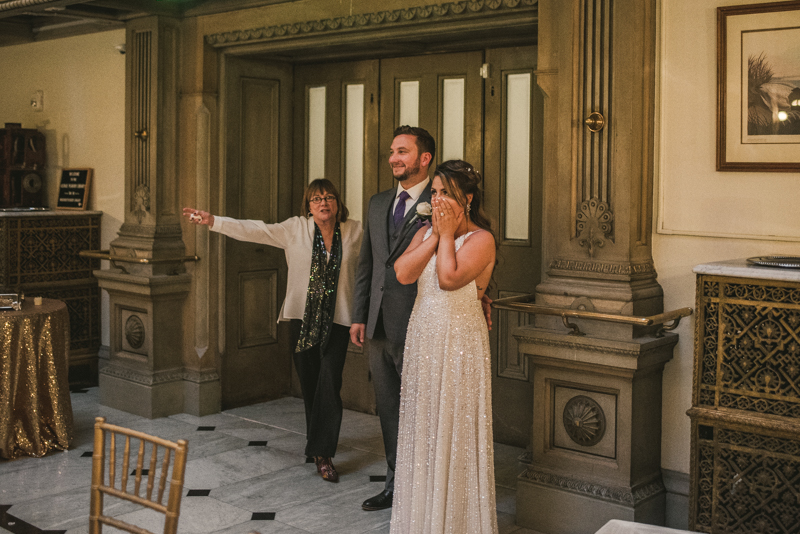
461 179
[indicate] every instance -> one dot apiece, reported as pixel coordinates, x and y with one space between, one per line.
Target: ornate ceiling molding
368 21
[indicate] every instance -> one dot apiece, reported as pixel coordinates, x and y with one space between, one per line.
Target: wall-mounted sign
73 189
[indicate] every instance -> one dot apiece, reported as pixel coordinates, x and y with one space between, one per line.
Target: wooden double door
285 125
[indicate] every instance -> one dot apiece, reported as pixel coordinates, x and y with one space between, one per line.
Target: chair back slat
152 472
125 463
139 467
174 453
163 481
112 462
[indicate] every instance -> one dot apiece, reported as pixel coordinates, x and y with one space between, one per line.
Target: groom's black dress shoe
379 502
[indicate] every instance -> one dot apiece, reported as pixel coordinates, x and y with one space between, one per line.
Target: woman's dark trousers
320 376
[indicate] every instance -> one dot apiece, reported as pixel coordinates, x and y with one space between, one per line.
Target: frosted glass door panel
517 154
453 119
354 150
409 103
316 133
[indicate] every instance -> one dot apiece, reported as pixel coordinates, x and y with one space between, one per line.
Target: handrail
106 255
522 303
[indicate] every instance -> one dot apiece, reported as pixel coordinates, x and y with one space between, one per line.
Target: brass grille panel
745 474
748 483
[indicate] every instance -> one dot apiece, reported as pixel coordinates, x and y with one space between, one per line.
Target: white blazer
296 236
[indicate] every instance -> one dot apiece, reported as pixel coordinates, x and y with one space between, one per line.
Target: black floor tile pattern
199 493
377 478
258 444
18 526
263 516
145 472
87 454
205 428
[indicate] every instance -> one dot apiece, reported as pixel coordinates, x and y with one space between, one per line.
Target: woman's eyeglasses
326 198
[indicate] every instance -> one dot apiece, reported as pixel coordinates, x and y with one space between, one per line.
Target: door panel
510 172
437 77
255 365
336 78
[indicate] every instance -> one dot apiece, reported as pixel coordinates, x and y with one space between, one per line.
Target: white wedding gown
444 476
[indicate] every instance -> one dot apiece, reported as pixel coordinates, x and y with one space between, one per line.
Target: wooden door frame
447 28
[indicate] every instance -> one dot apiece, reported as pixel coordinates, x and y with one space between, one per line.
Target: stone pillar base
596 437
566 505
202 393
147 400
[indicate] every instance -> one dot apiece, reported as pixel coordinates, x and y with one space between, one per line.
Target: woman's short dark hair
323 186
425 142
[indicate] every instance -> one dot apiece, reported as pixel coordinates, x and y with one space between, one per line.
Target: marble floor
246 472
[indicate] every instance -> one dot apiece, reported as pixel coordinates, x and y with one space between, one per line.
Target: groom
381 305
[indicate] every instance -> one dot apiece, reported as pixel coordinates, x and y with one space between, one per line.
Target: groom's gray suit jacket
377 290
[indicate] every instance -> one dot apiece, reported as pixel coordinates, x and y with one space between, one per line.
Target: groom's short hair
425 142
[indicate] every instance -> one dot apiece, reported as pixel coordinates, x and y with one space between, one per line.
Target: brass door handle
141 134
595 122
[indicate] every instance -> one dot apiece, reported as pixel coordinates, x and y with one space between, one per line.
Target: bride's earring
468 208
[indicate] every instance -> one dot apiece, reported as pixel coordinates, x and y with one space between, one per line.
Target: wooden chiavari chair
172 453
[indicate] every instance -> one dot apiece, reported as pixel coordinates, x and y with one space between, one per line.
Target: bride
445 472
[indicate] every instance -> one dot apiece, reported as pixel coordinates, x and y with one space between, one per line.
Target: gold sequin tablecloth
35 408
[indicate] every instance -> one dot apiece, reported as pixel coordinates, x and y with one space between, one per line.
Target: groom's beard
409 172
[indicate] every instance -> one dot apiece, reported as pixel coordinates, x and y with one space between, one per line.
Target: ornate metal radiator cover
745 473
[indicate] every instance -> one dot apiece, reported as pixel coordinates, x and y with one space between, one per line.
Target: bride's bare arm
476 255
412 262
473 261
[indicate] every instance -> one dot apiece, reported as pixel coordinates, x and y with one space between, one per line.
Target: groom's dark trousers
385 305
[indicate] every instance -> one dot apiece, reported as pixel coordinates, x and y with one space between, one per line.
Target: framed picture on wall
758 87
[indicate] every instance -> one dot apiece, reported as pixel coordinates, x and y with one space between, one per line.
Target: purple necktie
400 209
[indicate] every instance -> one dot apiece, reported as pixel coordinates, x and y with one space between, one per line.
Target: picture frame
73 189
758 81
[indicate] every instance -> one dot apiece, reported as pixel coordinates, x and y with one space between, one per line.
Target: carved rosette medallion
584 421
594 224
134 332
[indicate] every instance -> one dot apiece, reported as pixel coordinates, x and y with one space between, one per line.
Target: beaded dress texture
444 479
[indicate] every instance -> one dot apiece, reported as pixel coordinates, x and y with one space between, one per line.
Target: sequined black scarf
321 295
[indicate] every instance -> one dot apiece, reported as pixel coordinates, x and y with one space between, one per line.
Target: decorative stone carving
144 378
604 268
141 202
584 421
618 495
367 20
134 332
594 224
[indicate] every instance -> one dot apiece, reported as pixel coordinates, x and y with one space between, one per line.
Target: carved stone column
596 437
148 283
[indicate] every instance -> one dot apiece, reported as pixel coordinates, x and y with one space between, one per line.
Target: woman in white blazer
322 253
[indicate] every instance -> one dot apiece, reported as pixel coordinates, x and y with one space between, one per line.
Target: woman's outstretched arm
198 216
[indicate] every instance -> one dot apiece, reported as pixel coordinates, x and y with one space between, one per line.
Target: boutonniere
424 212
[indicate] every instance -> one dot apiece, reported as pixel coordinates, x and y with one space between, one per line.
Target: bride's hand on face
446 218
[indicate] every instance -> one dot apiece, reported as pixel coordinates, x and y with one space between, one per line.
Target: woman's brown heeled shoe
326 469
